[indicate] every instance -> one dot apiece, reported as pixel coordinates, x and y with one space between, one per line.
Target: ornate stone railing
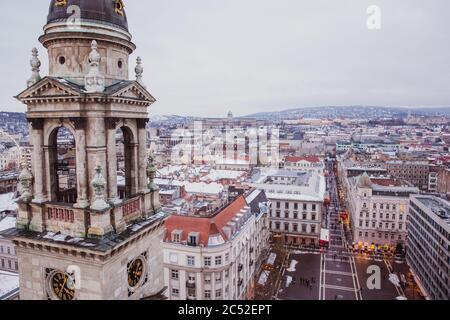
60 214
131 207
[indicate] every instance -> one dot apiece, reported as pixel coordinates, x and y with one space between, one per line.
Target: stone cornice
54 90
43 245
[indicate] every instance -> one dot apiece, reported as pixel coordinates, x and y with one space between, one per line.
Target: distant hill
13 122
350 112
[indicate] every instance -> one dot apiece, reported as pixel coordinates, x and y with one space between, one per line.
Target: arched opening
126 163
63 166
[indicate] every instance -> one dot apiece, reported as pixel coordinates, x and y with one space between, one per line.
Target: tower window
62 60
120 64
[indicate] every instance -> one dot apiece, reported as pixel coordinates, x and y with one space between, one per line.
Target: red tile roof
204 226
387 182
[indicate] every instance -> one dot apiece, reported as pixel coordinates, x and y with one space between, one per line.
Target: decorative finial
99 184
35 68
26 183
151 172
94 81
139 70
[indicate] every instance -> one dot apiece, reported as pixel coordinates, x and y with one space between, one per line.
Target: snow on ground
8 282
293 266
288 281
393 278
263 278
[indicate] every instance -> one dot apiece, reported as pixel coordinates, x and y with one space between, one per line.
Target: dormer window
176 236
193 239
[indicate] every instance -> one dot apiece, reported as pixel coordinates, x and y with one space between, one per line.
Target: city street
338 273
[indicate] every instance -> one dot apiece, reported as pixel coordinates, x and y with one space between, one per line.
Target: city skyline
100 200
198 61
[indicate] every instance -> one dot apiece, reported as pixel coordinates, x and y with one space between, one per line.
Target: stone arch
61 173
130 159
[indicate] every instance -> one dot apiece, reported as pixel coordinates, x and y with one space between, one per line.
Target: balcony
252 263
190 284
240 267
241 282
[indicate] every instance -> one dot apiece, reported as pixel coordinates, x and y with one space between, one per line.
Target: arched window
126 163
63 171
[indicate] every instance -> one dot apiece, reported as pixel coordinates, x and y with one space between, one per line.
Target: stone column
81 165
111 170
37 138
142 154
95 149
134 148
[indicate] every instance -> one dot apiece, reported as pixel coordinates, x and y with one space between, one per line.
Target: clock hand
63 285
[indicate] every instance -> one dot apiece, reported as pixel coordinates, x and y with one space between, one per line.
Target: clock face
62 286
135 272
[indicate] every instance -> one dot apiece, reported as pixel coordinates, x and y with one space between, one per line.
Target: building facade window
175 292
190 261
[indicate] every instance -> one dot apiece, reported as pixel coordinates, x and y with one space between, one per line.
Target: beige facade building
216 257
297 204
379 209
88 242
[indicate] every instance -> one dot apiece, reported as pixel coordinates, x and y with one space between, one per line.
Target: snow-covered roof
7 202
9 284
306 187
7 223
201 187
216 175
193 187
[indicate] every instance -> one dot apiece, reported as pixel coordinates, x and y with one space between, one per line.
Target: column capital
111 123
36 123
78 123
142 123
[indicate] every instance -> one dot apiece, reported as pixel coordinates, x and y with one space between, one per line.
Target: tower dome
71 27
110 12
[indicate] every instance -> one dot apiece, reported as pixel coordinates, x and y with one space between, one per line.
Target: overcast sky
205 57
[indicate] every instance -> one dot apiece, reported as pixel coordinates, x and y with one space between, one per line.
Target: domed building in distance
91 239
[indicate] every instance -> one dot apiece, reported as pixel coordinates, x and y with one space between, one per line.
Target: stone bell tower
94 238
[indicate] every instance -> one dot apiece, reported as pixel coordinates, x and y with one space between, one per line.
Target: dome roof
106 11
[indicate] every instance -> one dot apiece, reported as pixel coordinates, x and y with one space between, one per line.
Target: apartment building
215 257
8 257
428 252
378 209
8 181
306 163
416 172
297 203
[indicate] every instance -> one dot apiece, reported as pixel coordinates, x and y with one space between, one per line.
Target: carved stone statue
26 183
99 184
94 80
35 68
139 71
151 173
